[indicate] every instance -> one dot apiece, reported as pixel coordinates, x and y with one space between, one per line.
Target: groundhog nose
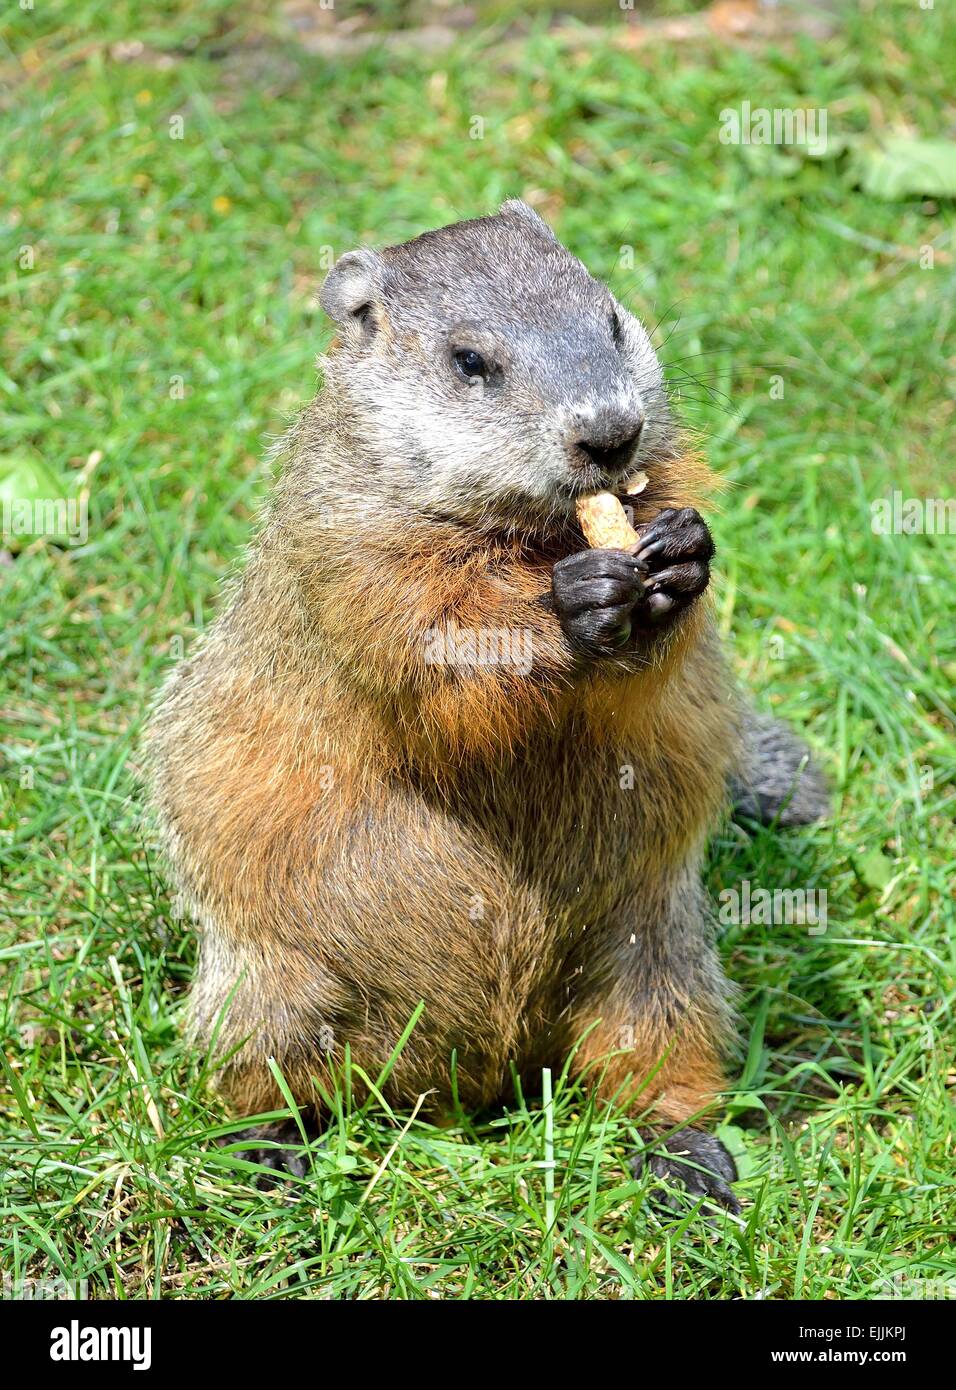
611 454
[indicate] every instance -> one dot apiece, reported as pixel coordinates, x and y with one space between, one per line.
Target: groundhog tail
777 781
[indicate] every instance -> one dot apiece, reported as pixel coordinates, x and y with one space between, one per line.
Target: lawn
174 187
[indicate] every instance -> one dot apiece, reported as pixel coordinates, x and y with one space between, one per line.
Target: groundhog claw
691 1159
276 1148
675 536
675 551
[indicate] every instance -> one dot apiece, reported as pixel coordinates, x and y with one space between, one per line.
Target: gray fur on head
514 207
568 398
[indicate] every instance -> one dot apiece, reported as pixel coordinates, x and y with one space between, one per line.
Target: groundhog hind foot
693 1160
278 1149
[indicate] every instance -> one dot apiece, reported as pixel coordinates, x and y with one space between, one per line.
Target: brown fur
358 830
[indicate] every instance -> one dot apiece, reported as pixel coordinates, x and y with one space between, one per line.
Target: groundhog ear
514 207
350 291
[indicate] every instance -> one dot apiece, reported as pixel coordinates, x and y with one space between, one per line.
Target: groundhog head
493 378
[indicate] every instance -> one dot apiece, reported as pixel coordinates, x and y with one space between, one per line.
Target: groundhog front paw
594 593
694 1160
675 553
606 599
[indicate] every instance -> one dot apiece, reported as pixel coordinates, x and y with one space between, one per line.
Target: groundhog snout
602 450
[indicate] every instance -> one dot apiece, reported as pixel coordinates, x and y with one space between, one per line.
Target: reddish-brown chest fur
332 870
358 830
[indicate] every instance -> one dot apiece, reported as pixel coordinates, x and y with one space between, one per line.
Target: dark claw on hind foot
278 1148
694 1160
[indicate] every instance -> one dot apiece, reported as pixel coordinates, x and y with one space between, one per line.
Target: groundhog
437 749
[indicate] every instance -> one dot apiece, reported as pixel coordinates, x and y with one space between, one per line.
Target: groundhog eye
471 364
617 328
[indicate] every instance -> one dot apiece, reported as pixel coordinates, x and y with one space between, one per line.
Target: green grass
157 259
